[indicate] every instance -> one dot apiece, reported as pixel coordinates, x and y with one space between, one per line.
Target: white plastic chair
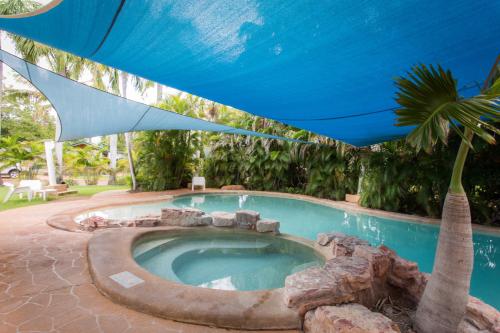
17 190
36 188
198 181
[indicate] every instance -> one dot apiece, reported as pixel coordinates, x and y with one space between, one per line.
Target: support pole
49 145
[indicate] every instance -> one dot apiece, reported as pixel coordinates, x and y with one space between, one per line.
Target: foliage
87 161
26 155
166 159
25 115
430 101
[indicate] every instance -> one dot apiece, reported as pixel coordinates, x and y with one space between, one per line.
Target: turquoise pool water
227 261
413 241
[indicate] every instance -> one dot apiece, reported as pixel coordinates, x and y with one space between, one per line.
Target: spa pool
413 241
224 260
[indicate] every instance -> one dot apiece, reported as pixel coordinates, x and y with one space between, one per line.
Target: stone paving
45 284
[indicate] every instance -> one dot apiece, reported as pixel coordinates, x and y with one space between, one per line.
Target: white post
60 163
49 145
113 151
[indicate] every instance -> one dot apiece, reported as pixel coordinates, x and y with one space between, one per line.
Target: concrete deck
45 285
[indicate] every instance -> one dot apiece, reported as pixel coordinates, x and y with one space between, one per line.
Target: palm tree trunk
445 298
113 153
159 93
128 138
1 96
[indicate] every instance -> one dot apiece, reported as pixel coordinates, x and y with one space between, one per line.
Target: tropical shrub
165 159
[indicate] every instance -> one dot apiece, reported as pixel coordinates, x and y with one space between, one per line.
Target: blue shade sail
326 66
85 112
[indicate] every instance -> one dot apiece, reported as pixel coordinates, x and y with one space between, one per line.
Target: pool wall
111 252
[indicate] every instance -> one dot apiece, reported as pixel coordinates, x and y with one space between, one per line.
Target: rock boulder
223 219
268 225
183 217
340 280
247 219
347 318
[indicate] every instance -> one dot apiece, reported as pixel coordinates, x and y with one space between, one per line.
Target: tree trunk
444 302
1 96
445 298
113 153
159 93
130 160
128 137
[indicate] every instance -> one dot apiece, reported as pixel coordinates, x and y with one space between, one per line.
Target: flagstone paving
45 284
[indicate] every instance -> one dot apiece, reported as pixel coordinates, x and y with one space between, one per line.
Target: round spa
222 260
222 277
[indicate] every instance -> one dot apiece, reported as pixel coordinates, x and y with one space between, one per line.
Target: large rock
480 318
268 225
379 261
344 246
147 221
340 244
223 219
405 275
183 217
347 318
340 280
247 219
325 239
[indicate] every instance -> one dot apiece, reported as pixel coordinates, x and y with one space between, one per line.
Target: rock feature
384 273
268 225
183 217
247 219
223 219
233 188
347 318
146 221
480 318
405 275
325 239
340 280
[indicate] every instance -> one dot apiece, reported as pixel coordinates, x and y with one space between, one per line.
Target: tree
429 100
10 7
27 156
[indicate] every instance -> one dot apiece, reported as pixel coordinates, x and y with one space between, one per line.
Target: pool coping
66 219
110 252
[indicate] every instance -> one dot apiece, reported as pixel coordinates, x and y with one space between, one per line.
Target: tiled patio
45 285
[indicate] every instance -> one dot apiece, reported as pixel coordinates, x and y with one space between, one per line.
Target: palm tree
9 7
107 78
429 100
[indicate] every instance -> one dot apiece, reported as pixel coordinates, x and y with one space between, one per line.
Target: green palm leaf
430 101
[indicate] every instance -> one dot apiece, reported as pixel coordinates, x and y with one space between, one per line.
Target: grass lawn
83 191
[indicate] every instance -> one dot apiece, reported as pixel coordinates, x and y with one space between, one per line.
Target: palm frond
430 101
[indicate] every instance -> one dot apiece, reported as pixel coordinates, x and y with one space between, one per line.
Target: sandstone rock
347 318
203 220
233 188
325 239
180 216
341 280
247 219
480 317
404 274
268 225
344 245
147 221
379 261
223 219
93 222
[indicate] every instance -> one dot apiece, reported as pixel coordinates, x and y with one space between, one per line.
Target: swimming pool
225 260
413 241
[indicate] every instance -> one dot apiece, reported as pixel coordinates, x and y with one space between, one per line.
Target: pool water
227 261
413 241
